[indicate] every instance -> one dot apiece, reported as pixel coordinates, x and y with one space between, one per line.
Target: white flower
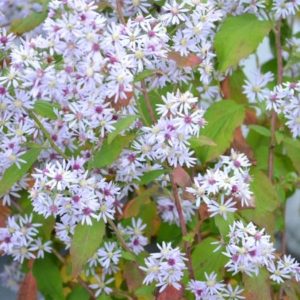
101 285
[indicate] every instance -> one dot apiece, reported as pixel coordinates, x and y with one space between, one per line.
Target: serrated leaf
205 260
110 152
14 174
143 75
222 119
292 147
121 125
235 83
266 201
48 278
149 176
30 22
86 240
257 287
197 142
223 225
45 109
234 42
261 130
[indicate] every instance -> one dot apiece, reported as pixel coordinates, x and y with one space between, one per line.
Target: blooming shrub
139 159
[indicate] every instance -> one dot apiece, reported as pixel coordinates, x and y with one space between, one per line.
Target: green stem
46 134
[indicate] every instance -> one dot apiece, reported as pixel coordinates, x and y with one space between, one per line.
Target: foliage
139 158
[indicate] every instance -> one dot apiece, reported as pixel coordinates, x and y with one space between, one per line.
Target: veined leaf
86 240
222 119
14 174
110 152
48 278
258 287
121 125
30 22
205 260
238 37
45 109
266 201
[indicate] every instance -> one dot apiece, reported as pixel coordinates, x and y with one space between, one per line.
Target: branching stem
187 244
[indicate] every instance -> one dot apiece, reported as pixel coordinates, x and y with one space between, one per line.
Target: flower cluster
165 267
169 213
65 190
250 249
213 289
256 88
223 186
133 235
168 140
20 239
130 80
107 257
286 99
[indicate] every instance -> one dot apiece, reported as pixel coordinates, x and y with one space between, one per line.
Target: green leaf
45 109
30 22
148 177
145 292
87 239
197 142
223 225
121 125
169 233
143 75
14 174
266 201
236 81
292 147
222 118
48 278
128 256
205 260
110 152
261 130
258 287
238 37
78 293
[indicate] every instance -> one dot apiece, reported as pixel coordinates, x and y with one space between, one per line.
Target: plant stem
46 134
119 10
86 286
187 244
119 235
148 101
273 113
121 240
59 256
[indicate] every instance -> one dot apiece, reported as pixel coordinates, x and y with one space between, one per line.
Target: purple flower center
171 261
187 120
4 40
87 211
99 109
136 242
236 163
58 177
